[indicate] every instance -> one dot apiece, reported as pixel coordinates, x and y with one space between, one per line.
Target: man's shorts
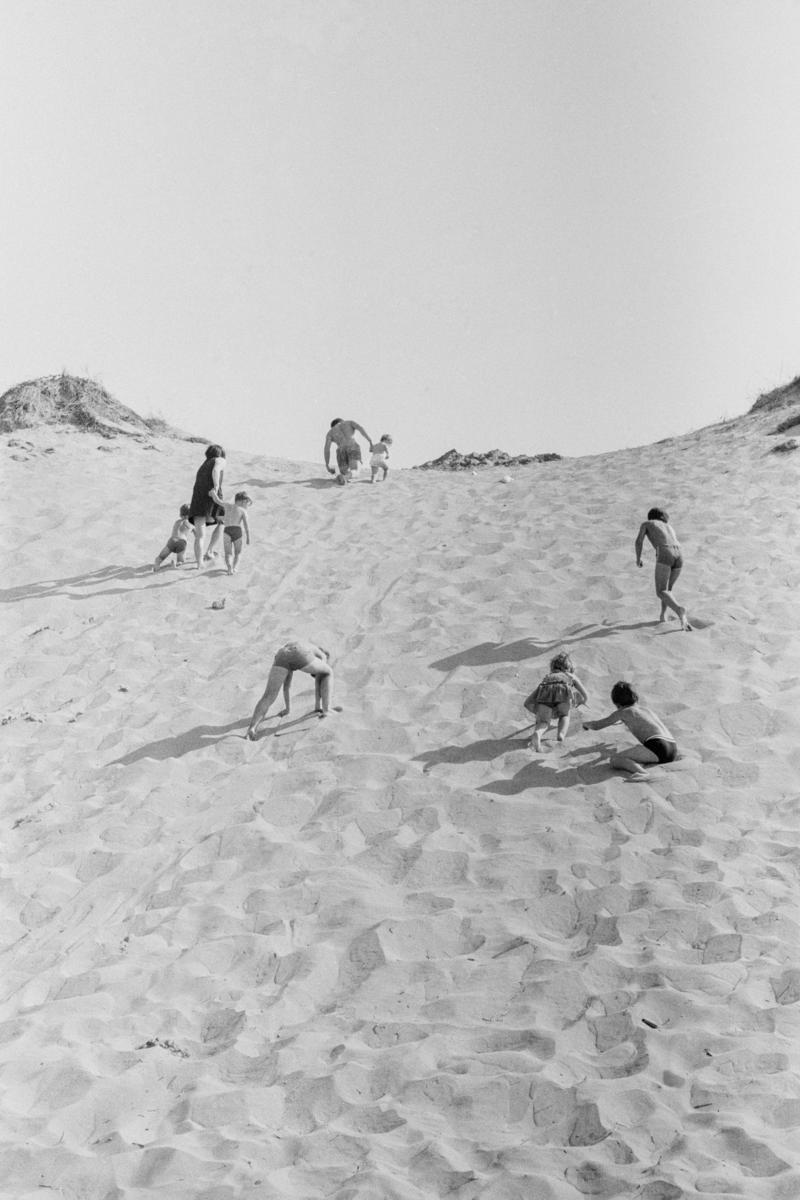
348 457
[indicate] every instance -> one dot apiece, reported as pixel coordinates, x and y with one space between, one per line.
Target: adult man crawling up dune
342 434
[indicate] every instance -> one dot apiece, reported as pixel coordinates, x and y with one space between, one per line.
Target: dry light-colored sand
395 954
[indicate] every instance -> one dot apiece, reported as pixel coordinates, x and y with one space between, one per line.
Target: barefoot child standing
379 457
657 745
669 560
233 522
176 542
554 697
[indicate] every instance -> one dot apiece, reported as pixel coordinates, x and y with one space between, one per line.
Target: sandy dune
395 954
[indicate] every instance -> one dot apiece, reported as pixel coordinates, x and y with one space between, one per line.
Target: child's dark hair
241 498
562 662
623 694
658 514
185 510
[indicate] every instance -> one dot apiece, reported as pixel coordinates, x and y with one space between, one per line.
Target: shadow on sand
535 774
93 581
316 481
198 738
487 654
485 750
90 579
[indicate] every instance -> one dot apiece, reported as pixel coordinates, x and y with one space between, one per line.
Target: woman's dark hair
215 452
336 421
658 514
623 694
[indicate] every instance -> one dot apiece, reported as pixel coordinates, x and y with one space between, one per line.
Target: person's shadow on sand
316 481
487 654
93 581
485 750
59 587
533 774
198 738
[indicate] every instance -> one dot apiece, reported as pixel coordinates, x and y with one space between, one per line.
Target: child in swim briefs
669 561
234 520
656 743
296 656
176 542
379 457
553 699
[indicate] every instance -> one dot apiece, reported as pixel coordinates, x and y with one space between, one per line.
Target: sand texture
395 954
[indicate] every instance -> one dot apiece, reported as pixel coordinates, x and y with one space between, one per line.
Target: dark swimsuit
664 751
201 504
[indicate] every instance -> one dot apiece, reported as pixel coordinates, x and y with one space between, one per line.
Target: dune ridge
394 954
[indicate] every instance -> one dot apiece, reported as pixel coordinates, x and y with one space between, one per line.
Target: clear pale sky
528 224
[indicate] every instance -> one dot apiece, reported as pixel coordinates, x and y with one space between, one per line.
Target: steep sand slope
394 954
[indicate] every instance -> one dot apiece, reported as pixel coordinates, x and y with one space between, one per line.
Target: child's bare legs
563 726
634 759
541 726
161 556
228 549
385 473
665 579
279 677
323 687
237 550
374 474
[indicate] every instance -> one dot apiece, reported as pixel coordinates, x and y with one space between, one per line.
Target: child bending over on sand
176 542
295 656
379 456
669 560
233 522
657 743
557 693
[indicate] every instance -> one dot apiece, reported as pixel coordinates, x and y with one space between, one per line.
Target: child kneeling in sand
234 520
553 698
176 542
669 561
296 656
379 457
657 743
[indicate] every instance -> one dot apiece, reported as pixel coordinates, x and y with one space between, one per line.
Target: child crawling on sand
669 561
234 520
296 656
554 697
379 457
657 745
176 542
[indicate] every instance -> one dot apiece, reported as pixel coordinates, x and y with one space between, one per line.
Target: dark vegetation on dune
82 403
454 461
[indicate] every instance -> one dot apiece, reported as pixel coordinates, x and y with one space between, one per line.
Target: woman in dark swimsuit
204 507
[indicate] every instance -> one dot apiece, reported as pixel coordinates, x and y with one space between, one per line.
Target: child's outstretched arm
580 689
603 722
